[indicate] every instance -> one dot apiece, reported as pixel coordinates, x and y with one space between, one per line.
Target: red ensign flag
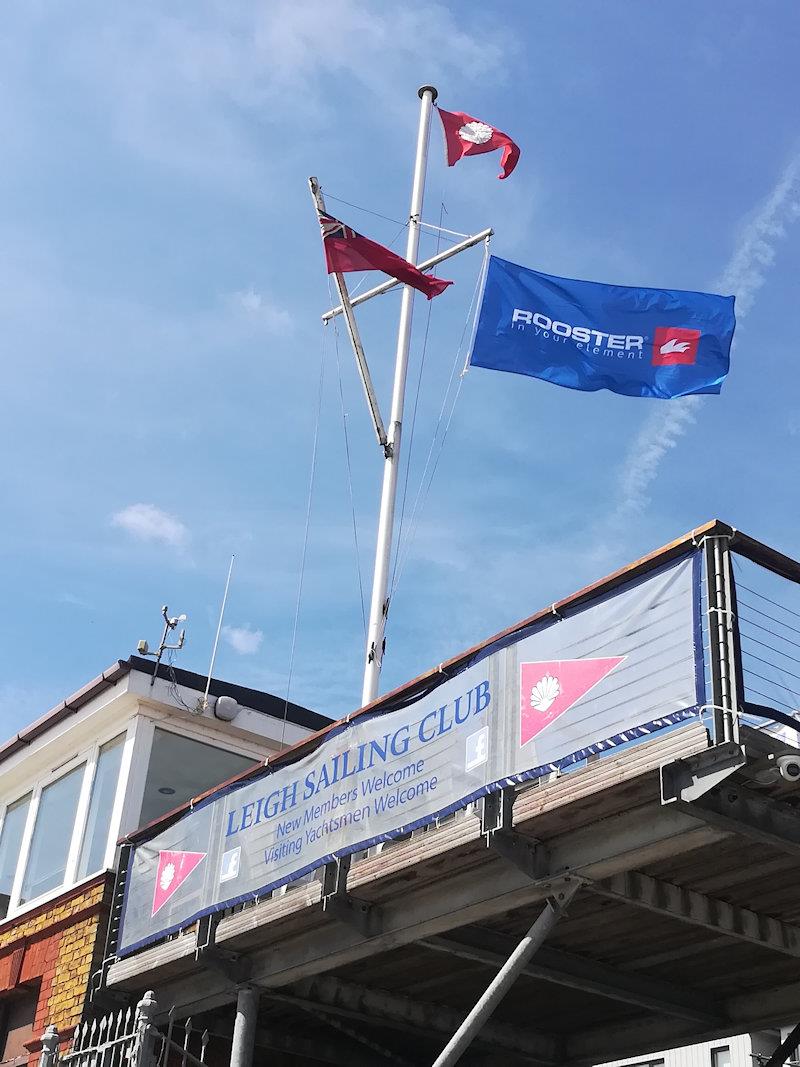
346 250
466 136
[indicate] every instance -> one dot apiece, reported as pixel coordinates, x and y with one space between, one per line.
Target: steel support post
506 976
244 1028
723 646
784 1051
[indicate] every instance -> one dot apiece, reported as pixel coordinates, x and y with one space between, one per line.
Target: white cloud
259 309
146 522
180 87
73 600
243 639
744 275
745 272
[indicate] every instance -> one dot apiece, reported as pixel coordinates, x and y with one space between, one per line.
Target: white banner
624 665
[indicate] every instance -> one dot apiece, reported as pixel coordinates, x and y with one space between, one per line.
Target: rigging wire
402 225
423 489
349 467
359 207
305 534
367 274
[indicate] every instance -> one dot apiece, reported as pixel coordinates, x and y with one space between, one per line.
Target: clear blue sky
162 281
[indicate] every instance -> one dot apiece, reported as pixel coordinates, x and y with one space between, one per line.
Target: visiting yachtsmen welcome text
363 757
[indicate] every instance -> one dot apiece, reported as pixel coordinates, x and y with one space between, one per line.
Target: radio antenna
202 705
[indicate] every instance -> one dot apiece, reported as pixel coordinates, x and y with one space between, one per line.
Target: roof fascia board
113 706
250 725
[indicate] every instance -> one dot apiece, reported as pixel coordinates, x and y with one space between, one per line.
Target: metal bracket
497 827
529 856
690 778
365 917
497 811
236 968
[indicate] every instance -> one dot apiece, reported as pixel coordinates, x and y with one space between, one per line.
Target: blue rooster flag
662 343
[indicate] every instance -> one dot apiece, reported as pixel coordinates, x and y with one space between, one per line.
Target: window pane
17 1027
721 1057
104 788
180 768
47 862
10 841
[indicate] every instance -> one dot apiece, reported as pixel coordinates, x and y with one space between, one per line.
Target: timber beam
748 1011
309 1049
738 810
697 909
358 1036
636 837
587 976
378 1007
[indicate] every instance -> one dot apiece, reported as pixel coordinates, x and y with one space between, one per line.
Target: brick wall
59 945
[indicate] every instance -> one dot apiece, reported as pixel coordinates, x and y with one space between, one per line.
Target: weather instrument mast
390 438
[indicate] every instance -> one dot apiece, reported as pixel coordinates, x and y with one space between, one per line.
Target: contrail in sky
744 275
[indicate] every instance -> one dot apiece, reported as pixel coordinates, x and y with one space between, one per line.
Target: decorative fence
128 1039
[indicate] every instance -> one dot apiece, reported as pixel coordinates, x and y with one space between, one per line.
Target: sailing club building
116 755
575 843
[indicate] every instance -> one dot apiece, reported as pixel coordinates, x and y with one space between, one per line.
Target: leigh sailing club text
364 757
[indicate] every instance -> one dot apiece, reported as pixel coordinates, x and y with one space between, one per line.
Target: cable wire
442 210
368 211
778 652
349 469
305 534
423 489
765 615
775 603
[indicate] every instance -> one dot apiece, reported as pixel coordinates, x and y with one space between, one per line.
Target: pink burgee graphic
548 688
173 870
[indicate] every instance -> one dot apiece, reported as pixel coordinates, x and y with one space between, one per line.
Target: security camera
789 768
142 648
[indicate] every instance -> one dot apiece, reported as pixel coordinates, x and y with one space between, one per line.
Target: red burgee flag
466 136
346 250
549 688
173 869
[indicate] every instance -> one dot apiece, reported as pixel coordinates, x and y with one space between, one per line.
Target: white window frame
88 756
147 727
139 734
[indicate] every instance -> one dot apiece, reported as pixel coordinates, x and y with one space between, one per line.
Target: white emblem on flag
167 875
673 345
476 132
545 692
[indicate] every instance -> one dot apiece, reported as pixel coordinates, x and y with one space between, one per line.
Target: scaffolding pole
506 976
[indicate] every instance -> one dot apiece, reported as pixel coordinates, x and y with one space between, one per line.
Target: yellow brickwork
61 945
61 910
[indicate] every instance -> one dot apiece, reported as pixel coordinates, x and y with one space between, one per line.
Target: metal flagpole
379 605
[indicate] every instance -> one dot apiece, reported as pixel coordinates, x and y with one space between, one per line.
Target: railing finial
49 1056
